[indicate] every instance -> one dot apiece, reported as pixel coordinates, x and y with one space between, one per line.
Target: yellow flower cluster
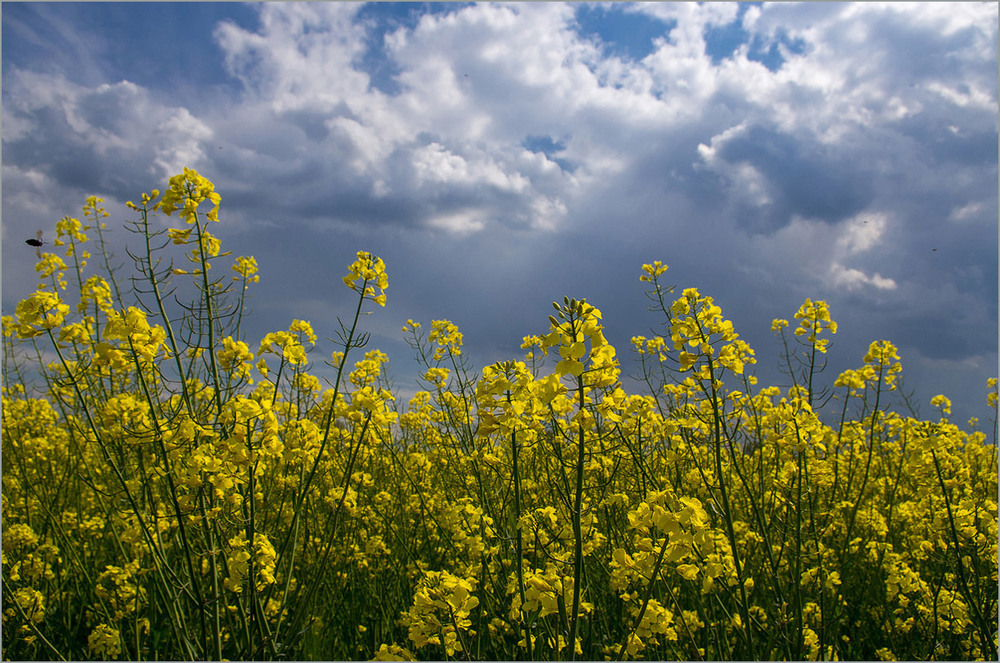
447 338
116 586
186 191
814 317
440 612
288 345
240 558
131 329
370 270
580 323
104 642
697 323
246 270
38 313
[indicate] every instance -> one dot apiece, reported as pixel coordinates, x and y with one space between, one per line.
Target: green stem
726 506
578 527
209 314
154 282
519 552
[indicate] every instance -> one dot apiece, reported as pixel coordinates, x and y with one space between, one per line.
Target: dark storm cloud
802 178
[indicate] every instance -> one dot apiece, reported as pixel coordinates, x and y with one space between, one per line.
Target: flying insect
36 242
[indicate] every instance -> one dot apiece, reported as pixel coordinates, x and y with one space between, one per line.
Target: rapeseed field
172 490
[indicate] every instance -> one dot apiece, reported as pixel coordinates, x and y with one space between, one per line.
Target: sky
500 156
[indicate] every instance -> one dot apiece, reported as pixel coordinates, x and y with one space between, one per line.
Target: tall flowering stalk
589 360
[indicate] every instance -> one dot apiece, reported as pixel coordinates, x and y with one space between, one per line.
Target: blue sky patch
721 41
384 18
141 41
550 148
628 35
771 56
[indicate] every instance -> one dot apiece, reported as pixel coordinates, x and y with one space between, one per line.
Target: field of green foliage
173 490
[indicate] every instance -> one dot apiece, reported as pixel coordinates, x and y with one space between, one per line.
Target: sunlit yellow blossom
239 557
437 376
370 270
652 271
179 235
880 358
50 264
246 270
71 229
813 318
367 371
77 332
287 344
38 312
447 338
97 291
303 327
235 356
440 611
186 192
137 336
146 199
941 401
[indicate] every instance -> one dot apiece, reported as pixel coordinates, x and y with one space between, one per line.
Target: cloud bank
501 155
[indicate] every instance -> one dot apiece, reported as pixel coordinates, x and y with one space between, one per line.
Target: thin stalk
726 506
518 542
578 527
209 314
868 462
153 281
